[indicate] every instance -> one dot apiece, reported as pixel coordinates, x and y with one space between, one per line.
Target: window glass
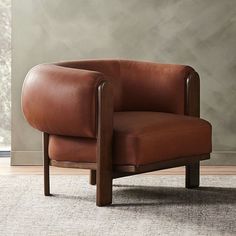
5 74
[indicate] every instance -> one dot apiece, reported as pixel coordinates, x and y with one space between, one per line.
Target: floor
142 205
151 204
6 169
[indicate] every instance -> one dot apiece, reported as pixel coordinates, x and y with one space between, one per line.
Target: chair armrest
159 87
192 95
62 101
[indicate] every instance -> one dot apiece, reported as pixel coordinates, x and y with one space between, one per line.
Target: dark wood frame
102 172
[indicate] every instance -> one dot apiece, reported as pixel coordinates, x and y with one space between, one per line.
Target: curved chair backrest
142 86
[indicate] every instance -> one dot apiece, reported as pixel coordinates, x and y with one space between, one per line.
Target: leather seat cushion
141 138
148 137
64 148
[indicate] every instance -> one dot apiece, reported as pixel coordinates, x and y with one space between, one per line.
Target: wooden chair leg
104 188
46 165
104 145
192 175
92 179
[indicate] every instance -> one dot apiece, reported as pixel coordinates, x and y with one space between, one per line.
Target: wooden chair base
92 177
103 179
192 175
46 162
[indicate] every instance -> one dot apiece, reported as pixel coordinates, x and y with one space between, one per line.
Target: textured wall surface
200 33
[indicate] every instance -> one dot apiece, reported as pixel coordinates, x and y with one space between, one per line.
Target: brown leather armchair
117 118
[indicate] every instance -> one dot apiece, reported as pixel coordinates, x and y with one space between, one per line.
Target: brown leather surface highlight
59 100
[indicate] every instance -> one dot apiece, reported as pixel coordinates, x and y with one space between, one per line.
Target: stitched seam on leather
151 133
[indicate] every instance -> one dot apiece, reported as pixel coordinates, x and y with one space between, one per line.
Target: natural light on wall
5 74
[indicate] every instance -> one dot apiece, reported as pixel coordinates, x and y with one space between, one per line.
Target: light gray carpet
143 205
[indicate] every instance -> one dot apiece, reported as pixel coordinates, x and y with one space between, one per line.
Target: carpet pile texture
142 205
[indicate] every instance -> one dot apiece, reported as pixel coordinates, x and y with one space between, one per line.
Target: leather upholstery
149 108
69 106
64 148
147 137
141 138
142 86
61 101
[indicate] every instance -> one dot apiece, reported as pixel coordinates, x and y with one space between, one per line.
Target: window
5 74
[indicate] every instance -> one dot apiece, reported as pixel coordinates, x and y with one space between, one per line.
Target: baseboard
218 158
221 158
26 158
